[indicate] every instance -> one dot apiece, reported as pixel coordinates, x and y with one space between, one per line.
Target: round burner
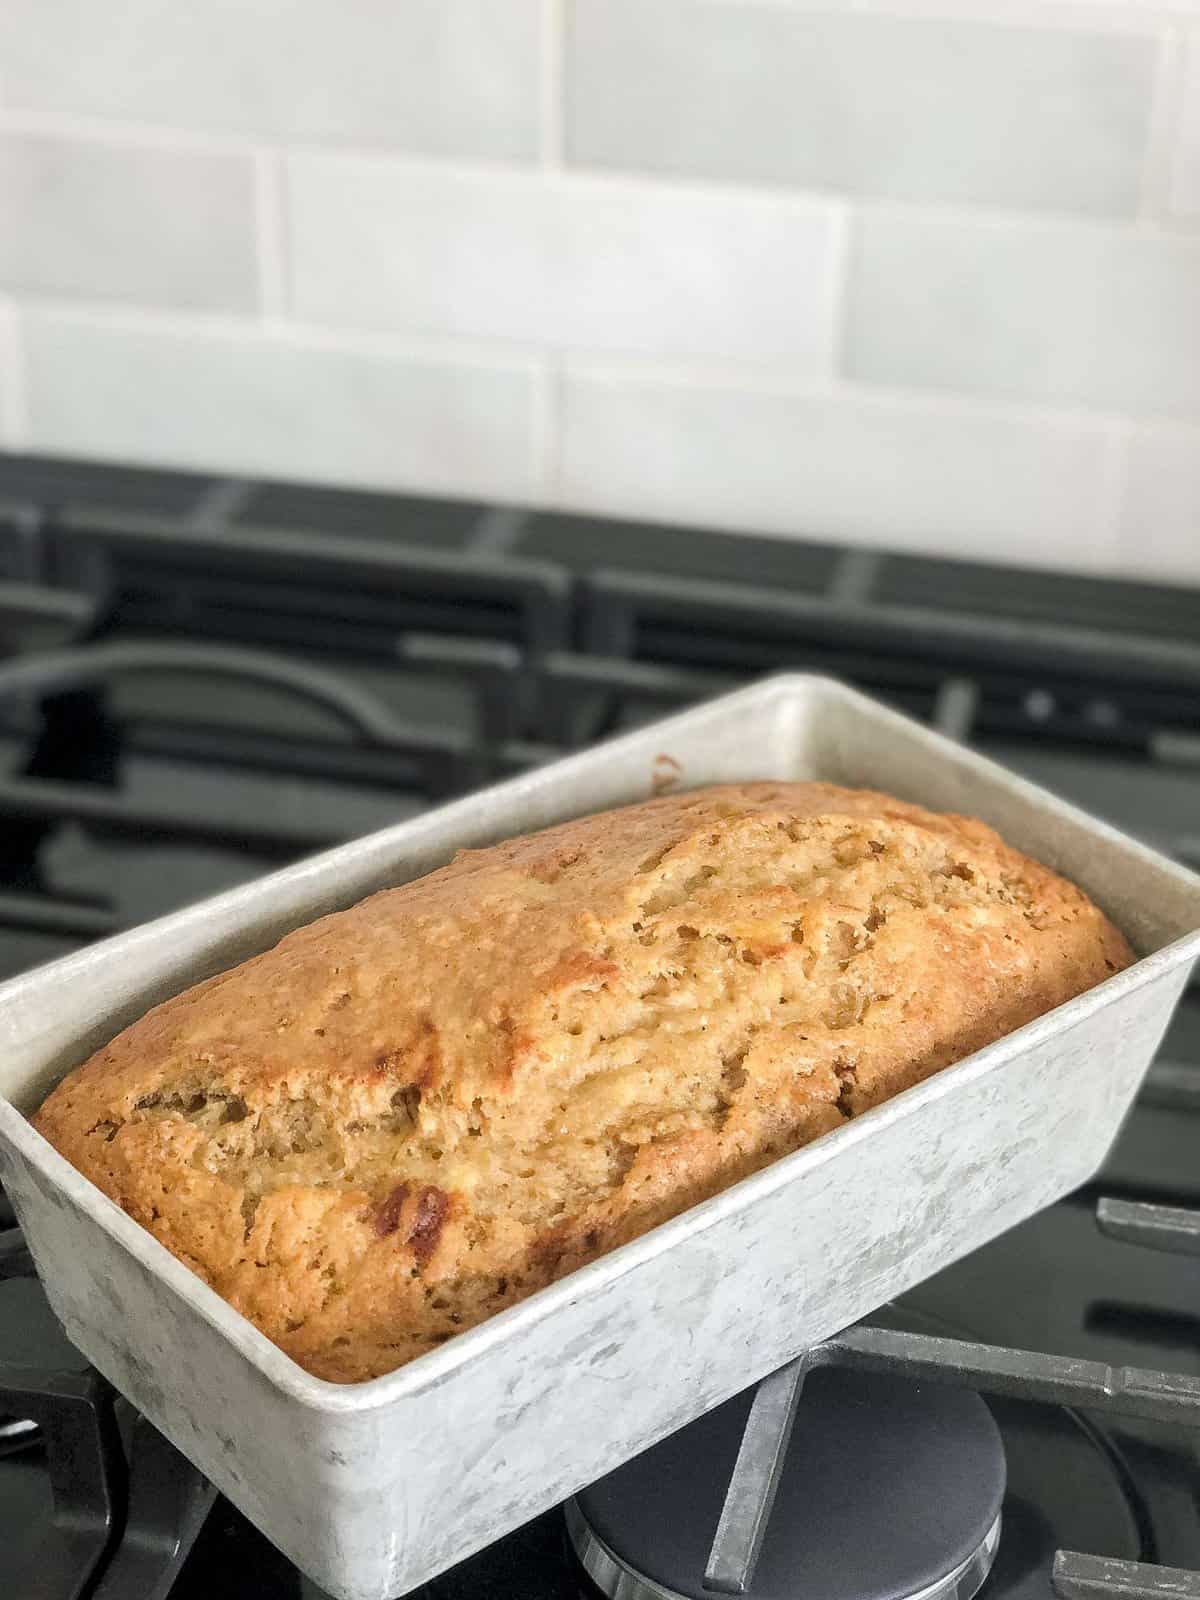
891 1490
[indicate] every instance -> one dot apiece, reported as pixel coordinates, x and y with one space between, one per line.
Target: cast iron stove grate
202 679
126 1513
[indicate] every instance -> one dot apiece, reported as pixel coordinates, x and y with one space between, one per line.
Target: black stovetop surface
375 654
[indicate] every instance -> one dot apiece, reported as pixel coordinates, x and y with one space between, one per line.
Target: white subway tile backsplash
127 222
449 77
1160 511
237 399
914 108
812 266
1185 166
567 261
971 482
1075 314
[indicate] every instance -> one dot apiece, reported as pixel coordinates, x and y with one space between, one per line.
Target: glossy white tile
451 77
1074 314
1160 510
564 261
236 399
912 107
888 470
1184 192
127 222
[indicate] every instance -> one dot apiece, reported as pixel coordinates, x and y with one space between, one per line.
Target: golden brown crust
413 1113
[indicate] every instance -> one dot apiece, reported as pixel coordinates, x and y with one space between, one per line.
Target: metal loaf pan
373 1488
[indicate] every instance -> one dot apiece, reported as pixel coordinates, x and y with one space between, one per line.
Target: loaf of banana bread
413 1113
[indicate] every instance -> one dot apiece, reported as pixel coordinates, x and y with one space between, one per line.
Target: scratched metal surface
373 1488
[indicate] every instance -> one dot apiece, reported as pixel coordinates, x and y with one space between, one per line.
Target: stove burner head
891 1491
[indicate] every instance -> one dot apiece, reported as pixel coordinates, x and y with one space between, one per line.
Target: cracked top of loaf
412 1113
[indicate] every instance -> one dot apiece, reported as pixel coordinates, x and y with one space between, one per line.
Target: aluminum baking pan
373 1488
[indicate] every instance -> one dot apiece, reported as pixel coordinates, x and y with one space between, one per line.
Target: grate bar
498 530
87 1475
955 707
1175 749
854 577
521 755
22 525
990 1369
1086 654
433 762
169 1500
1084 1577
491 668
58 671
648 678
15 1259
110 811
1172 1086
28 601
1023 1374
580 693
1170 1228
219 503
376 730
756 1472
159 561
41 914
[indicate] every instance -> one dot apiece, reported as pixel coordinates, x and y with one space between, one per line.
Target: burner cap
891 1490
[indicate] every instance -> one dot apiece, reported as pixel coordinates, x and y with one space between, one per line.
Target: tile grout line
603 366
483 167
636 369
1095 17
413 346
1178 208
1162 124
90 128
171 138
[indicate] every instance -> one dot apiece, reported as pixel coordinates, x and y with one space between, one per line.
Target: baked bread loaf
410 1114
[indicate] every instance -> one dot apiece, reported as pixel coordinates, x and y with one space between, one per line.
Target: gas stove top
202 679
